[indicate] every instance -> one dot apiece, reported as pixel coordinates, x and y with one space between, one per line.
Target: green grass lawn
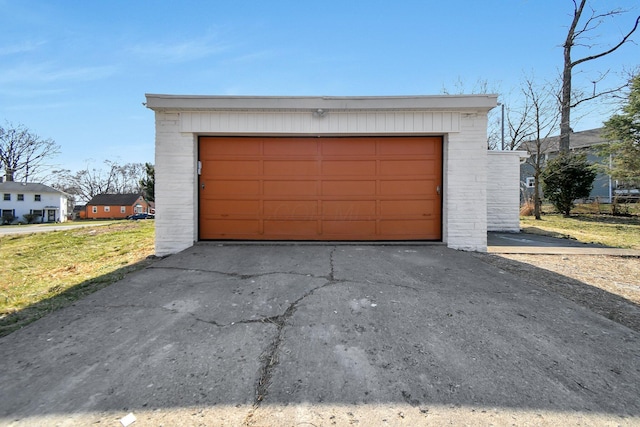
589 224
43 272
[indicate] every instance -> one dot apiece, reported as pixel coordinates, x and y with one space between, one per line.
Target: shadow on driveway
279 335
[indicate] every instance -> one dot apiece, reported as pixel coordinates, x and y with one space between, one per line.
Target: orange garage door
364 188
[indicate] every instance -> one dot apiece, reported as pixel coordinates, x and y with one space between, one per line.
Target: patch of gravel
607 285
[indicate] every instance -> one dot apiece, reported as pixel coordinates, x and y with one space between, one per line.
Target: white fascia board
159 102
519 153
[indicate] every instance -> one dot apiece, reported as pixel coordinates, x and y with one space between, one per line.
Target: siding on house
587 142
461 120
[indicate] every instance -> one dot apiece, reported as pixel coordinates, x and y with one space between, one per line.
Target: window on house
37 198
530 182
21 197
107 208
138 208
36 212
123 209
7 196
94 209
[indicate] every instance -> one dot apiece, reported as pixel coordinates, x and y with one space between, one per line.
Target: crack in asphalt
269 356
242 276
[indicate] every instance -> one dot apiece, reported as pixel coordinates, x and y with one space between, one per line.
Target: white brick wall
175 190
503 186
464 220
465 196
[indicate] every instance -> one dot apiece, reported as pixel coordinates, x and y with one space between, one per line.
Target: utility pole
502 123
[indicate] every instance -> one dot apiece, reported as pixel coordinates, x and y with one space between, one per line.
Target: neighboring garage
321 168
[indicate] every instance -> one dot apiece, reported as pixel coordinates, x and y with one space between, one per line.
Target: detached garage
321 169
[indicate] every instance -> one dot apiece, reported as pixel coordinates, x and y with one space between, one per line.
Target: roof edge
163 102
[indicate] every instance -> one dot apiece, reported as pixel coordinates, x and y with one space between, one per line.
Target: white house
324 168
19 199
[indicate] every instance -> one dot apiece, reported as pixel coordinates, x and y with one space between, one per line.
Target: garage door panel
229 187
348 188
233 147
290 188
407 187
408 207
234 167
348 168
231 227
403 228
230 207
405 146
291 228
407 167
290 147
290 208
351 147
294 168
349 229
348 209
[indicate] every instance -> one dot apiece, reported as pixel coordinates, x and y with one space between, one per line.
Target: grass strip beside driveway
614 231
40 273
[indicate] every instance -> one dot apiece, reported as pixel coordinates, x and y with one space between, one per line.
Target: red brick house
109 206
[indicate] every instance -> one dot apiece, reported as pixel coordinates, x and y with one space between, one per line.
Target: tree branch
599 94
613 49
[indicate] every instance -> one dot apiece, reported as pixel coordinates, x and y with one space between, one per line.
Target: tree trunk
565 109
565 101
537 202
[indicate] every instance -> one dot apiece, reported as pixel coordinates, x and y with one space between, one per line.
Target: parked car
141 216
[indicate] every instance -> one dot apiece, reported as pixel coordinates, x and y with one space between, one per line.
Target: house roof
582 139
114 199
19 187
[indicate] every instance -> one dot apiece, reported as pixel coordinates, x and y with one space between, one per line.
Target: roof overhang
158 102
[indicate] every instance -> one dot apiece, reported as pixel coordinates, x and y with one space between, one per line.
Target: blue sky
77 71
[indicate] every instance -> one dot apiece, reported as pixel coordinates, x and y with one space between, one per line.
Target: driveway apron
224 334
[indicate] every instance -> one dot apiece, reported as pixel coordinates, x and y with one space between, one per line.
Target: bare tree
518 124
23 153
540 122
578 35
114 178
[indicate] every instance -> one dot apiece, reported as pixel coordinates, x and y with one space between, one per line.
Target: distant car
141 216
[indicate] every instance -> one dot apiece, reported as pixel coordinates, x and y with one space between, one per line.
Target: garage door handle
438 190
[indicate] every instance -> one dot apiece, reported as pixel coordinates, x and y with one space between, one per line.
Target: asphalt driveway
321 335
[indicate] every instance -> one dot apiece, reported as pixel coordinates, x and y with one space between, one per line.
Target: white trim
160 102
